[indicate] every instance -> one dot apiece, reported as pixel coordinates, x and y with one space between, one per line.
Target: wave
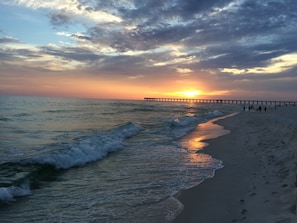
24 114
5 119
213 114
143 109
87 150
7 194
61 111
17 178
182 125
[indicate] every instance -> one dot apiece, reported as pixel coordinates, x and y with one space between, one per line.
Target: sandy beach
258 181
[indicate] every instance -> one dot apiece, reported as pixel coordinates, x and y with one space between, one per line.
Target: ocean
93 160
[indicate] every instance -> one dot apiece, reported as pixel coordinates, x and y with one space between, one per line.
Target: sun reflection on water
195 140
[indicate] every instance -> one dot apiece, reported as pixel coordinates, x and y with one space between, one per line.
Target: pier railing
223 101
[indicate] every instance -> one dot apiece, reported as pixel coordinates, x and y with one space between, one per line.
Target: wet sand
258 181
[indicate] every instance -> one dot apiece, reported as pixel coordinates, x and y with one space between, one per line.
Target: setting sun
190 94
184 94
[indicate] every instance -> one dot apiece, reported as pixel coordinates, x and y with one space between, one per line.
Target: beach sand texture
258 181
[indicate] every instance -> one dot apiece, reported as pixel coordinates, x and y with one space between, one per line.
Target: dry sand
258 181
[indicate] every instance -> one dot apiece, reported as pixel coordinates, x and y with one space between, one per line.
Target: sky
131 49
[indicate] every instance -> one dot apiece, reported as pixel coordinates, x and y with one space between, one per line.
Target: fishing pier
223 101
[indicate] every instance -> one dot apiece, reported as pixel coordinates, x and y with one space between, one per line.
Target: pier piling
223 101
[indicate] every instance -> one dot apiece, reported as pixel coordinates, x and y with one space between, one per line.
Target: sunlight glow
190 94
276 65
181 94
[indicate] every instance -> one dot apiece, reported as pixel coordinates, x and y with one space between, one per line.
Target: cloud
184 70
222 28
275 65
222 41
59 18
13 53
8 39
63 11
176 60
13 50
80 37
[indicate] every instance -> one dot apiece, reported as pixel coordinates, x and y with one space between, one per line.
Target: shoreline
258 180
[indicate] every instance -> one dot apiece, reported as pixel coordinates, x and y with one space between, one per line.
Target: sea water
91 160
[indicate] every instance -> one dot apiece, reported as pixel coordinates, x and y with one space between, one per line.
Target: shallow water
90 160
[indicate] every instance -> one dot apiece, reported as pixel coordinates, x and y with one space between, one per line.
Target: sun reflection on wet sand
195 140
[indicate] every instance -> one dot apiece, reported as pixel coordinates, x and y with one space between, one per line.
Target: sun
184 93
190 94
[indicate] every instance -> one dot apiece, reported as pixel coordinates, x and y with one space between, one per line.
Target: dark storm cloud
159 14
4 56
81 37
243 33
140 38
153 11
117 66
242 22
219 33
59 18
71 53
155 21
16 54
238 30
199 23
8 40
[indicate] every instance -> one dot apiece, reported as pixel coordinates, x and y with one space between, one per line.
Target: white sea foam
173 212
215 113
7 194
183 125
185 121
90 149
